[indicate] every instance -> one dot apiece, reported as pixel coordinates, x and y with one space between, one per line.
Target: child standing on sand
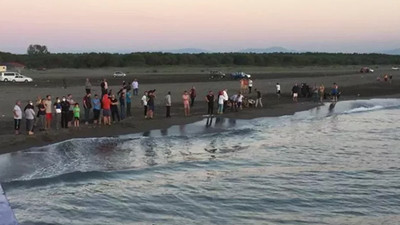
77 114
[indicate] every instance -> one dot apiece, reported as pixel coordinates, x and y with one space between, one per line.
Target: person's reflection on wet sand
232 122
164 132
147 133
209 121
219 121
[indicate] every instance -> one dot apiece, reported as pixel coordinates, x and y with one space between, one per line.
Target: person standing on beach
239 100
226 98
104 87
42 115
144 103
122 108
114 109
88 86
150 104
77 114
250 85
192 96
57 112
221 102
29 117
168 104
71 105
64 112
135 87
278 90
49 112
295 92
96 109
106 104
210 99
87 106
259 99
186 105
335 92
321 93
128 103
17 117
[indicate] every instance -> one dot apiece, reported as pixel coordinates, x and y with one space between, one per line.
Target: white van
14 77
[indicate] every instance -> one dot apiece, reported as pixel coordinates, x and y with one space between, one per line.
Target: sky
121 26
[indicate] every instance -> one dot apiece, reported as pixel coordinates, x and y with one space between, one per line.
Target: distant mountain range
392 52
263 50
268 50
187 51
247 50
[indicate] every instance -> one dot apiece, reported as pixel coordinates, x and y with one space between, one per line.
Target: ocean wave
364 109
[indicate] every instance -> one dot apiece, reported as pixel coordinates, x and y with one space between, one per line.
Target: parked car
395 68
214 74
366 70
14 77
119 74
240 75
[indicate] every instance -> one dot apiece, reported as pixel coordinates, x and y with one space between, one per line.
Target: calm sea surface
339 166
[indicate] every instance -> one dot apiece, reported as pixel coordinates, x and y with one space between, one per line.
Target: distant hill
268 50
392 52
187 50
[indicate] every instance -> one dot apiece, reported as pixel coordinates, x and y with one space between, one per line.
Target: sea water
328 165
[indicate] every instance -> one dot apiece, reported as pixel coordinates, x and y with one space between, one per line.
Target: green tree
37 50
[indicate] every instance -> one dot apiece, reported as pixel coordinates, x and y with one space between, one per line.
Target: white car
14 77
119 74
395 68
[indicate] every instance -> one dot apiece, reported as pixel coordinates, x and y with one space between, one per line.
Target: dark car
366 70
240 75
214 74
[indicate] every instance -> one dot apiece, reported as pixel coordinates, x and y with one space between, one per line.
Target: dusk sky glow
215 25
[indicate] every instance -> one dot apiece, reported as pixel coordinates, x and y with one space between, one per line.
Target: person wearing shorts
150 104
186 105
295 92
106 110
49 114
77 114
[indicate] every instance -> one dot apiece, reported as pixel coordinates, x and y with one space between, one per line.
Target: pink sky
215 25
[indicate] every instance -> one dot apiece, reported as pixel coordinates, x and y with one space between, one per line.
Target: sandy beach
352 84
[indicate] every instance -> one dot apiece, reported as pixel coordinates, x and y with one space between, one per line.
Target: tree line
37 59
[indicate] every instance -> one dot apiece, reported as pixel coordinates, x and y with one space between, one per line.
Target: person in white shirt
226 98
239 100
144 103
168 104
17 117
250 85
221 101
29 117
135 87
278 90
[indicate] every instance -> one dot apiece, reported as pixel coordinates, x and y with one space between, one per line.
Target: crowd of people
318 93
109 107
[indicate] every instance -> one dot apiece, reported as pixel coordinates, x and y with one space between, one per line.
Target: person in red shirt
106 110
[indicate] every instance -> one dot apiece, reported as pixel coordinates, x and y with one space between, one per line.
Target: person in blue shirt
128 103
96 109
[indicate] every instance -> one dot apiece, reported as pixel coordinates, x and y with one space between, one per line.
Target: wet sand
353 85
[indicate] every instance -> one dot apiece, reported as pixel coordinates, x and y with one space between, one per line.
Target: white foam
363 109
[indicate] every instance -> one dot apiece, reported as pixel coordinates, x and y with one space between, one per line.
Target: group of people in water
109 107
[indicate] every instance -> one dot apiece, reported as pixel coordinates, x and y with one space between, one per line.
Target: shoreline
14 143
353 87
